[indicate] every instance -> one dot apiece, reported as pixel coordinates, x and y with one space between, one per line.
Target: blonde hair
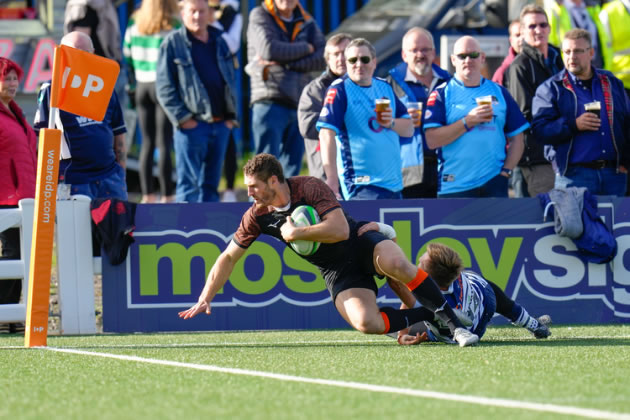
155 16
443 265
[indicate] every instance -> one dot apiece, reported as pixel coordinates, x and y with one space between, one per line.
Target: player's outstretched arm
217 278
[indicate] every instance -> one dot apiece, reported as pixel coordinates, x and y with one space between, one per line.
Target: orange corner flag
43 234
82 83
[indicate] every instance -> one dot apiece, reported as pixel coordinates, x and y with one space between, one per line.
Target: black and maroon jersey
305 190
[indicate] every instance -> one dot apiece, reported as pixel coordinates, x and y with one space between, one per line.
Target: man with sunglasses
413 80
471 119
592 147
360 153
536 62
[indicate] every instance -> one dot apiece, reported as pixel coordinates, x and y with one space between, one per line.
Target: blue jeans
497 187
199 155
113 186
372 192
275 131
598 181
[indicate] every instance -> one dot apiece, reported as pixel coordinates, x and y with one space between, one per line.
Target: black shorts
357 270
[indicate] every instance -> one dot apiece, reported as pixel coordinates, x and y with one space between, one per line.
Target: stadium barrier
76 266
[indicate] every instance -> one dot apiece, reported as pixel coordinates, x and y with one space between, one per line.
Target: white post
21 217
75 266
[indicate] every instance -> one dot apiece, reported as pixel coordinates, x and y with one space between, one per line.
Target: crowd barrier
76 266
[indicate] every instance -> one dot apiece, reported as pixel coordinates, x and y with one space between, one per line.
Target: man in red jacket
515 47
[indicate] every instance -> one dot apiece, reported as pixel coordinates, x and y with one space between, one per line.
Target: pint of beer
415 112
381 105
484 100
594 107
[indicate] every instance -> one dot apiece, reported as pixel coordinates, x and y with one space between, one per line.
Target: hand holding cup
414 109
484 106
383 111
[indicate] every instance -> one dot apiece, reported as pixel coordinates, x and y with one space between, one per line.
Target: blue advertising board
271 287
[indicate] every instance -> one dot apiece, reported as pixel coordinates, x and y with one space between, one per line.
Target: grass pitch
580 372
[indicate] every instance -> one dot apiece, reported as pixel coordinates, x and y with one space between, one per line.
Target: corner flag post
88 94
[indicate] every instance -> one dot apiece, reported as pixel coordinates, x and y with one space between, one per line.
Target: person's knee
369 325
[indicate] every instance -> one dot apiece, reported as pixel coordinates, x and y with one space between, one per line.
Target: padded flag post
43 235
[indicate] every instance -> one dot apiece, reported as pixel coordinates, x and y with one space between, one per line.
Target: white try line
471 399
383 340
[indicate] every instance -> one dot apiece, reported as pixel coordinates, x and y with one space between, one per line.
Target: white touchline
471 399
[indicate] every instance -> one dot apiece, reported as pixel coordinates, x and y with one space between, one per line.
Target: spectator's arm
329 158
314 61
514 152
262 35
441 136
549 126
519 84
309 108
120 150
167 87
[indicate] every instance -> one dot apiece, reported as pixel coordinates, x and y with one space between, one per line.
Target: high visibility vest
560 23
616 22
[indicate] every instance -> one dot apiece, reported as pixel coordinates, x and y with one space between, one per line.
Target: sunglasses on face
540 25
364 59
472 55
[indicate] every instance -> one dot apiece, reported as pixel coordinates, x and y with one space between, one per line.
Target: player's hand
287 230
368 227
410 340
588 122
196 309
478 115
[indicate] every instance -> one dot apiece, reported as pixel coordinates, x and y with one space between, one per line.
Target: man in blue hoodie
413 80
591 147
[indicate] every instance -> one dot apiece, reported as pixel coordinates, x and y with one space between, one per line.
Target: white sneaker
465 337
228 196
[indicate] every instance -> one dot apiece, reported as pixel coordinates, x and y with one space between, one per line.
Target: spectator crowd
421 132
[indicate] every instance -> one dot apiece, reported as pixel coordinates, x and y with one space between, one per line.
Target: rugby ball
304 216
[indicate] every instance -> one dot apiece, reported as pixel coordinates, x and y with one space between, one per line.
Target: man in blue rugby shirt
472 138
591 148
97 165
359 154
413 80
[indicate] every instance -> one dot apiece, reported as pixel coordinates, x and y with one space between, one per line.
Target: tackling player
474 298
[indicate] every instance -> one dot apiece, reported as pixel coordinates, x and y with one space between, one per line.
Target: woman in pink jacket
18 169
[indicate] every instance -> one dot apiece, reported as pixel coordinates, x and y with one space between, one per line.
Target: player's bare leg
358 307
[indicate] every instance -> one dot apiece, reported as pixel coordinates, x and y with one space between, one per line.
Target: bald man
473 136
96 167
413 80
78 40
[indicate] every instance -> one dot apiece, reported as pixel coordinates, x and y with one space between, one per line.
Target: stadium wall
505 240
